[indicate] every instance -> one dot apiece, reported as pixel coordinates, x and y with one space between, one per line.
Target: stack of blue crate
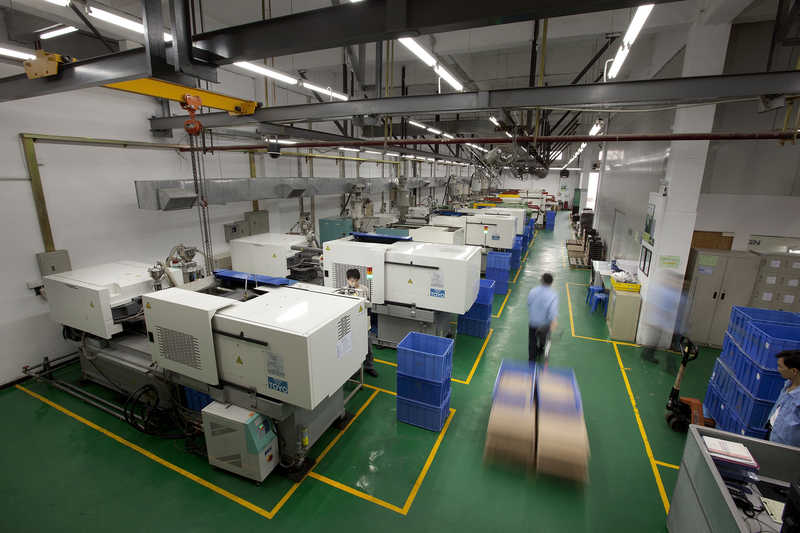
195 400
516 253
424 366
745 382
550 220
498 268
477 321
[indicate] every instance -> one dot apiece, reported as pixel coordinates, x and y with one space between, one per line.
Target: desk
701 502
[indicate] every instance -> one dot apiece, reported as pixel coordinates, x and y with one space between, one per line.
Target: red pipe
622 137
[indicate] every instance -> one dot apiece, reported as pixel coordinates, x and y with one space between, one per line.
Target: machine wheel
679 424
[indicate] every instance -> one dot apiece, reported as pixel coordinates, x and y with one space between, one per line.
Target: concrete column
676 201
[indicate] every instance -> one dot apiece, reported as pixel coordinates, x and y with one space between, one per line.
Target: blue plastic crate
722 378
486 292
501 287
566 376
516 258
752 411
498 261
735 425
473 328
743 317
426 391
479 312
712 404
423 415
550 216
195 400
425 356
497 274
761 382
508 366
767 339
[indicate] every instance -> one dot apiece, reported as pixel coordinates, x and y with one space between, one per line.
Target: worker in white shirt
354 284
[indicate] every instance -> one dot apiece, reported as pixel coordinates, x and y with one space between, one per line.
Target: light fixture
494 121
596 128
327 92
58 32
122 22
417 124
373 152
418 51
434 131
62 3
449 78
392 154
346 149
409 156
266 72
285 141
16 54
508 135
794 251
636 25
447 136
430 158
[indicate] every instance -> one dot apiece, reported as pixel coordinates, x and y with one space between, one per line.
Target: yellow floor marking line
648 450
572 324
163 462
385 362
517 274
569 306
478 359
368 497
502 306
668 465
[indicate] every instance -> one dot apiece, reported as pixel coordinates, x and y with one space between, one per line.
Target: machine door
737 288
707 282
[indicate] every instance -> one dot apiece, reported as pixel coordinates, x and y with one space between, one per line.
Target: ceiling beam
364 22
648 92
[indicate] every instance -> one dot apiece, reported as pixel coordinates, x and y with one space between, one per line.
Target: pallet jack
684 411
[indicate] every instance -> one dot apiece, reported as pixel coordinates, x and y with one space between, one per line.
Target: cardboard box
511 435
562 446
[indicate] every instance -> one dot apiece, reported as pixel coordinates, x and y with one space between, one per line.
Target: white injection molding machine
482 229
440 277
438 234
265 253
294 344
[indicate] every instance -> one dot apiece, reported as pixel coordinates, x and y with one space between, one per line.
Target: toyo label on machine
278 385
437 293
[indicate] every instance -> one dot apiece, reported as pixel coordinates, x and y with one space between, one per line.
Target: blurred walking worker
542 316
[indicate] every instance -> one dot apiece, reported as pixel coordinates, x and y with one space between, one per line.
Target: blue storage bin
501 287
479 312
735 425
712 404
498 260
426 391
195 400
767 339
473 327
752 411
742 317
423 415
425 356
571 405
508 366
486 292
761 382
497 274
722 378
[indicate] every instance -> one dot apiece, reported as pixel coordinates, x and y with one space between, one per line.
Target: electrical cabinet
718 280
333 228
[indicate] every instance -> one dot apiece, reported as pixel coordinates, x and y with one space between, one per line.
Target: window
591 191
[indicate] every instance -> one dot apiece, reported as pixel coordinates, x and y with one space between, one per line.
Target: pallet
578 262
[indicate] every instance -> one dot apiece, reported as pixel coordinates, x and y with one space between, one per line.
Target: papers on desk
730 452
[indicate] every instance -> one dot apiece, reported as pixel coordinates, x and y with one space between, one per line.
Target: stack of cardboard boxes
544 430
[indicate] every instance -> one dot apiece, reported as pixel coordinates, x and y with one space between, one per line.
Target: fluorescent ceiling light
447 136
122 22
494 121
508 135
392 154
417 124
636 25
430 159
371 151
418 51
434 131
62 3
58 32
266 72
409 156
327 92
346 149
16 54
449 78
285 141
596 128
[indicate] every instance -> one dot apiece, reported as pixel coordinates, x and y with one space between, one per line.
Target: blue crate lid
376 237
241 277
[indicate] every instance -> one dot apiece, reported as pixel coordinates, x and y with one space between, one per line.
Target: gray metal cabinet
623 315
778 286
718 280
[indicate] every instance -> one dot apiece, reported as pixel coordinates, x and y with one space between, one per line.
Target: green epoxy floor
60 474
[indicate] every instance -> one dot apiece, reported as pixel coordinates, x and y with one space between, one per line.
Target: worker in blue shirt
542 316
784 419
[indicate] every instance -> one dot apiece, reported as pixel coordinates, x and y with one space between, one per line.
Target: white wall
751 214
